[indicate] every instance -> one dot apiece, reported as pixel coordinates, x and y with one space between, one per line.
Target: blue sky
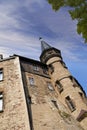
22 22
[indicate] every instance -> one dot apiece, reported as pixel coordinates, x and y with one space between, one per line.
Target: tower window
51 68
1 101
1 74
31 80
55 103
81 95
50 86
73 81
59 86
70 103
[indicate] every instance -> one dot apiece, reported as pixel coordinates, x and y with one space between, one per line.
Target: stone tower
69 91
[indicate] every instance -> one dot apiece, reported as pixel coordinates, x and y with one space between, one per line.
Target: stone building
40 95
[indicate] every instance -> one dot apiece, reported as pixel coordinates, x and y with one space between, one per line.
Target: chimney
1 56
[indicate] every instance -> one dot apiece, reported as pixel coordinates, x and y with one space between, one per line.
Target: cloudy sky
22 22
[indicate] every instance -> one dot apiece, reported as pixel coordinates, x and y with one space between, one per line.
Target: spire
44 45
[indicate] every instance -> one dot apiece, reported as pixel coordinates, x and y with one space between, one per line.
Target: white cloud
22 24
23 21
12 42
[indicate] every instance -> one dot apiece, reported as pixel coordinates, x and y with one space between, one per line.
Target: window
1 74
73 81
70 103
50 86
1 101
82 96
55 103
51 68
45 71
31 80
36 68
59 86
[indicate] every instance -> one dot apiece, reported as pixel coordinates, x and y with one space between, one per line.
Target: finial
40 38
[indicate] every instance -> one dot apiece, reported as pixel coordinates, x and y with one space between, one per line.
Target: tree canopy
78 11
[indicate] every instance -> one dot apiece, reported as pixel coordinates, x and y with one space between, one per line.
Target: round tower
69 90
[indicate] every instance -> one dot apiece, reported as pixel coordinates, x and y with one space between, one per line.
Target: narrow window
73 81
31 80
35 68
1 102
55 103
1 74
81 95
50 86
51 68
59 86
70 103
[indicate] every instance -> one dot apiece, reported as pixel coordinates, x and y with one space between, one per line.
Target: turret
67 87
48 52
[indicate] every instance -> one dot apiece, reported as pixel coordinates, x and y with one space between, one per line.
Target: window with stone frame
1 101
50 86
31 81
1 74
35 68
59 86
55 103
70 104
82 96
51 68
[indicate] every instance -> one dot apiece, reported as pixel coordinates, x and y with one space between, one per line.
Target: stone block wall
48 113
14 115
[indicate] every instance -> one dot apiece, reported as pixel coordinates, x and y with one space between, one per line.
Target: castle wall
14 115
28 90
46 115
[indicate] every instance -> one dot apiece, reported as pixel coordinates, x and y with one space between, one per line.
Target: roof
44 45
24 59
31 60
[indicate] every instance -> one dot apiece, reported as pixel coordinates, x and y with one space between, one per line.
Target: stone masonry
14 115
41 95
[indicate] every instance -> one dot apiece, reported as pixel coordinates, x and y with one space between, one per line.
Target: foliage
78 11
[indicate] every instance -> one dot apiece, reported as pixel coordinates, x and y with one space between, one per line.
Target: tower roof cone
44 45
